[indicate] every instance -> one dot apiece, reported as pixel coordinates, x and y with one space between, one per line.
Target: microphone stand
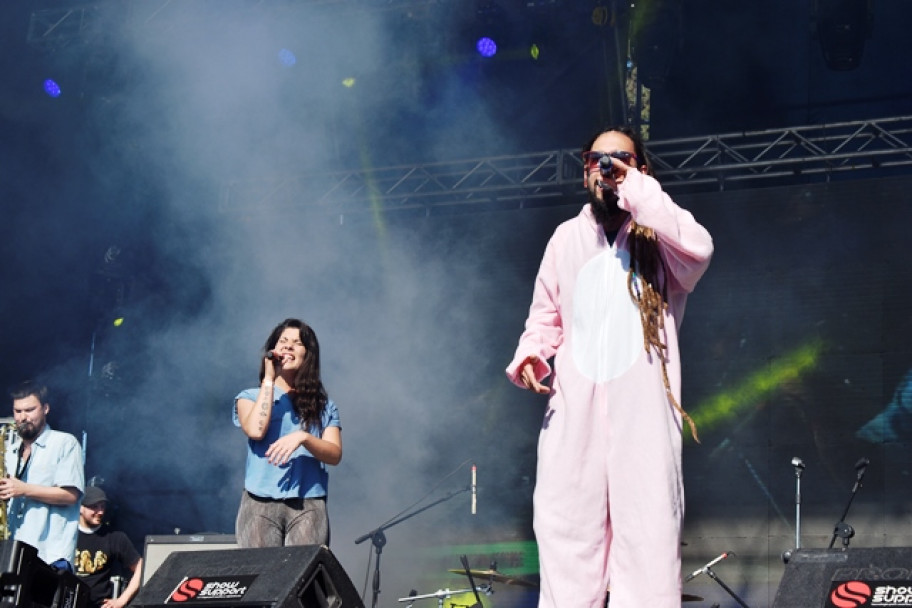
378 538
799 468
709 572
842 529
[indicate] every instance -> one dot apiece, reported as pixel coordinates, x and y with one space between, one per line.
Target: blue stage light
51 88
486 47
287 58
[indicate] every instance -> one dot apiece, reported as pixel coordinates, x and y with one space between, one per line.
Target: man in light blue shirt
44 481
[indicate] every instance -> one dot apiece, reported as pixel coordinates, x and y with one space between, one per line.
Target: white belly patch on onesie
607 332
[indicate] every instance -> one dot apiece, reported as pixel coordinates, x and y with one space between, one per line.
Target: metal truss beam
716 162
761 156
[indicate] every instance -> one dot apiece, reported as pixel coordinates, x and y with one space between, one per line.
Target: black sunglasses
592 157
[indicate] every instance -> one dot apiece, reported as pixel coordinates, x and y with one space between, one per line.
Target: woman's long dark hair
308 394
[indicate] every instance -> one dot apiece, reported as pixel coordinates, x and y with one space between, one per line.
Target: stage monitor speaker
280 577
827 578
28 582
159 547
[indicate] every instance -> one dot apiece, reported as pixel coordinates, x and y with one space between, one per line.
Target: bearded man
606 308
44 482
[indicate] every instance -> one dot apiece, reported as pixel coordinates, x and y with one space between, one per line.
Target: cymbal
495 576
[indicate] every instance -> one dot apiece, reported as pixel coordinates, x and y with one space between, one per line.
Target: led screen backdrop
795 345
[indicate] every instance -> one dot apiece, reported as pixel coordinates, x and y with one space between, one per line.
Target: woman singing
293 432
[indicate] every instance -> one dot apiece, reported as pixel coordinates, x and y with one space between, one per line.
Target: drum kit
479 597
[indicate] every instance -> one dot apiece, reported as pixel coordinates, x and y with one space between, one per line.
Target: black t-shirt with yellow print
99 556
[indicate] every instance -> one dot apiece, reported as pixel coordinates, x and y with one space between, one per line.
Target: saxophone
7 431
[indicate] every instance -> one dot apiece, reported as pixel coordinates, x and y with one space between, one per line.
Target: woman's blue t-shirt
303 476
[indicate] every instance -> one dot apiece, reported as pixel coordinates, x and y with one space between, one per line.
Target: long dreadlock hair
646 280
308 395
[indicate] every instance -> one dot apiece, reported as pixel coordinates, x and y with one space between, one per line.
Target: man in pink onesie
607 305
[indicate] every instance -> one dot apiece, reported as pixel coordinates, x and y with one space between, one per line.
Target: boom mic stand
842 529
378 538
709 572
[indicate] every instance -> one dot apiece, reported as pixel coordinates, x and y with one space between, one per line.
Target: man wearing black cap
98 549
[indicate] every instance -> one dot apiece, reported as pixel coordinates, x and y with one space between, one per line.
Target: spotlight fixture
842 26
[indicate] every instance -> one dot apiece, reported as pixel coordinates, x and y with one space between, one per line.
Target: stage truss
770 157
809 154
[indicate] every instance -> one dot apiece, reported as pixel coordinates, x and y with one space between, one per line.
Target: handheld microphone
607 171
712 563
274 356
797 463
474 503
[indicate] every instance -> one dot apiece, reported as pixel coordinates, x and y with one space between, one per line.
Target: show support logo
850 595
209 588
857 594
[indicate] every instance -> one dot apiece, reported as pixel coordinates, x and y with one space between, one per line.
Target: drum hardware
378 538
118 584
442 594
468 572
494 576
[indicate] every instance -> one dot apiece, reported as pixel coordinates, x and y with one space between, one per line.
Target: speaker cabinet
825 578
159 547
27 582
279 577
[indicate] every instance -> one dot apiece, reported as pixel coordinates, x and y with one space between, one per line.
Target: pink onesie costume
609 496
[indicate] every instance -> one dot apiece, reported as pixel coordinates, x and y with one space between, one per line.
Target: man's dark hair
639 147
29 388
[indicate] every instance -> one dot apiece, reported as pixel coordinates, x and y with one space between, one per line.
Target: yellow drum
466 600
